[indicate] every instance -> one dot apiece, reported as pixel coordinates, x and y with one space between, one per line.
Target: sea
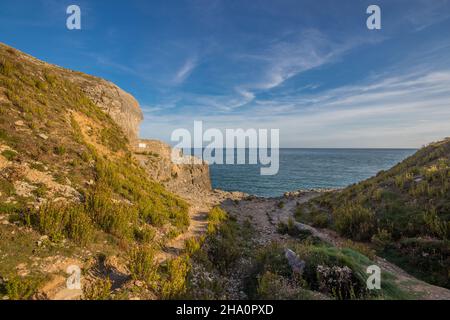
306 169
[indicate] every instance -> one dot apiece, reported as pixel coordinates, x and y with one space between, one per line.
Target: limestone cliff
120 105
155 156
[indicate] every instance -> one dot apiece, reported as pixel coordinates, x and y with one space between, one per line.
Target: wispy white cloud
289 57
185 71
406 110
426 13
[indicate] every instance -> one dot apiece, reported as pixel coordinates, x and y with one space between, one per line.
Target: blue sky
309 68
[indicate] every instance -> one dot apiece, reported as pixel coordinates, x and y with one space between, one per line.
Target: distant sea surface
307 169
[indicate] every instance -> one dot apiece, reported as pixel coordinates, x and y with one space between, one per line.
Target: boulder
294 261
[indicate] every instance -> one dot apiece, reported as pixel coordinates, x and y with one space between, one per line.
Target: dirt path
265 214
198 226
200 205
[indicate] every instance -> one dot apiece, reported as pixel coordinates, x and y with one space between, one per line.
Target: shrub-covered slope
67 170
404 212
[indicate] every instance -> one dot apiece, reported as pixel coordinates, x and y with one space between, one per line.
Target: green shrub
7 187
175 284
112 138
272 258
267 260
41 85
320 220
437 226
291 229
191 246
272 286
79 225
51 78
154 204
381 239
142 265
215 217
325 266
114 218
40 191
98 290
6 68
20 288
38 167
11 208
355 222
59 150
9 155
59 221
424 258
145 234
223 248
299 213
362 248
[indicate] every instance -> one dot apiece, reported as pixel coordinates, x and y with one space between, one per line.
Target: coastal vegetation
73 192
403 213
68 174
232 263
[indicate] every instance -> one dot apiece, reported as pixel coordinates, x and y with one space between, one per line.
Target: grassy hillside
403 212
233 263
67 173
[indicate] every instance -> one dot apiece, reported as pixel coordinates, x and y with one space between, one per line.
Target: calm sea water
308 168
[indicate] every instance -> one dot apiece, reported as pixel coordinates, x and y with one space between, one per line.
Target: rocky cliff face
120 105
124 109
155 156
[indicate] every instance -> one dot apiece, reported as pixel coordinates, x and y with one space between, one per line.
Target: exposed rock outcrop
120 105
124 109
296 264
155 156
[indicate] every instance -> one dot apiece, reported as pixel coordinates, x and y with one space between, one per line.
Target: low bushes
409 201
360 247
215 217
19 288
59 221
112 217
175 284
355 222
223 249
272 286
291 229
437 226
154 204
328 270
424 258
6 68
142 265
191 246
9 155
98 290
